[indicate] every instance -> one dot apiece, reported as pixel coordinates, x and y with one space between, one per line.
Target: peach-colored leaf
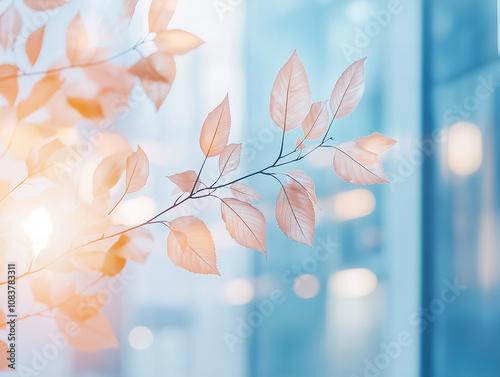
4 362
87 107
10 26
108 173
113 262
358 161
41 93
295 214
44 5
176 42
244 192
301 179
77 42
34 44
245 223
89 336
160 14
291 95
185 181
316 122
229 159
157 73
128 9
8 86
83 308
137 171
348 90
299 143
190 246
215 131
126 248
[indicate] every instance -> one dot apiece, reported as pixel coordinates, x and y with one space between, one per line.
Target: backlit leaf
190 246
245 223
229 159
8 82
160 14
176 42
316 122
295 214
244 192
137 171
291 95
34 44
185 181
41 93
10 26
358 161
215 131
348 90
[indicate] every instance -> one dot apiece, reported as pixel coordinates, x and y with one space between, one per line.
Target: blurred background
401 279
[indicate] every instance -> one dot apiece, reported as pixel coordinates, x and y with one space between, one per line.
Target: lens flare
38 226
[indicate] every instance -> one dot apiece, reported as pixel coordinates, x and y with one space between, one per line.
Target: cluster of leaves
88 245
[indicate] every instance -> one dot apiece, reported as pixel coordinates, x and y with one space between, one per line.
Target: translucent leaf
176 42
34 44
348 90
160 14
229 159
245 223
244 192
185 181
295 214
291 95
215 131
358 161
316 122
190 246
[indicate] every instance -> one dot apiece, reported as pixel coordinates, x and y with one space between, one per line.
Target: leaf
176 42
348 90
245 223
190 246
128 9
44 5
299 143
185 181
157 73
301 179
41 93
295 214
126 248
215 130
108 173
9 87
316 122
229 159
83 308
113 262
33 44
244 192
357 161
77 42
89 336
10 26
87 107
160 14
291 95
137 171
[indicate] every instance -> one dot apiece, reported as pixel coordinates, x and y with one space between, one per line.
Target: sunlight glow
140 338
353 204
465 150
38 226
134 211
306 286
355 282
239 292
